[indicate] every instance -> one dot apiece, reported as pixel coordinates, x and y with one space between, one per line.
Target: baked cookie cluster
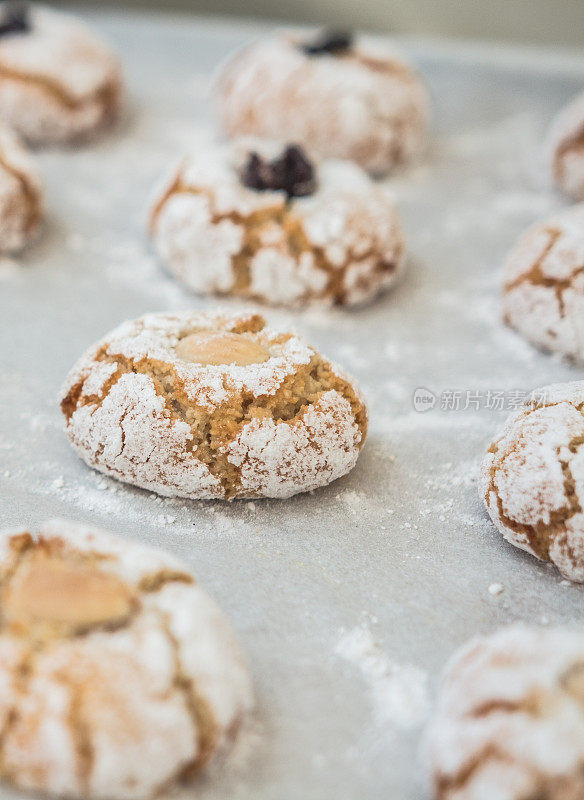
119 674
119 677
333 94
262 221
509 721
212 405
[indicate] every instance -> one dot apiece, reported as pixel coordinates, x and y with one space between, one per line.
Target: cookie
532 477
119 675
566 147
21 202
262 221
543 292
342 98
509 721
212 405
58 82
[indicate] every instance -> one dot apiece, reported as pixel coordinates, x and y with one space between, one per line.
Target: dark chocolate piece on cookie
328 42
291 172
14 18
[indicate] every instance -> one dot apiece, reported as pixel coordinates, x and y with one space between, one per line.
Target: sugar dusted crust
509 722
21 204
58 82
543 293
122 709
138 412
566 148
342 245
532 478
365 105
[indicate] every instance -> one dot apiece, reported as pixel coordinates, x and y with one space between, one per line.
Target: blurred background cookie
58 82
119 674
566 144
543 290
21 200
213 405
338 96
262 220
509 721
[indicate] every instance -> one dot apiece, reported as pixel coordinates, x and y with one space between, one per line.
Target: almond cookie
20 194
119 675
532 477
212 405
566 145
509 721
262 221
543 293
58 82
341 98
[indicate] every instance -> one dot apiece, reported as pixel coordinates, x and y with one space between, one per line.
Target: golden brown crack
106 95
205 727
212 432
575 144
81 734
282 216
447 786
536 277
572 682
158 580
22 677
30 192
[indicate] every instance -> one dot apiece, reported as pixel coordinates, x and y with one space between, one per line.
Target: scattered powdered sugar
399 692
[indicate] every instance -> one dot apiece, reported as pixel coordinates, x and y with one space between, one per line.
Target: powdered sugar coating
58 82
138 412
342 244
119 713
267 452
543 295
365 105
532 478
20 194
509 722
566 148
128 435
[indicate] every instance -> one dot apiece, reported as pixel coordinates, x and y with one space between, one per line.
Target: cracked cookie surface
532 478
119 676
543 292
213 405
341 244
21 202
58 82
509 721
566 148
360 103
